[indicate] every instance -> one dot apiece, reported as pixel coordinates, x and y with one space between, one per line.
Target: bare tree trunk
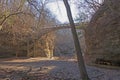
34 48
28 50
17 51
81 64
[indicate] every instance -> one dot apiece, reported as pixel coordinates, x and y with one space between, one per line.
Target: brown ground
50 69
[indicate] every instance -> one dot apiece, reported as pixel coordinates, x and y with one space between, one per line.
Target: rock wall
103 33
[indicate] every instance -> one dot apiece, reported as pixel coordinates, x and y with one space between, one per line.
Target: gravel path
65 69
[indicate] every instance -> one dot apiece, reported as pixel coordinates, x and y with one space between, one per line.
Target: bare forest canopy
23 23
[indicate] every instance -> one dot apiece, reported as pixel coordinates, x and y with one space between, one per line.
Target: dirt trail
52 69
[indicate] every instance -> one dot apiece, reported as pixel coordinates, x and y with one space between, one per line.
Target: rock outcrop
103 33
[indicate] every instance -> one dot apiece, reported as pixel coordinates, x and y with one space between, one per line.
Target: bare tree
81 64
21 22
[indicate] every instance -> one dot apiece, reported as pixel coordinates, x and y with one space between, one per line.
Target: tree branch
12 14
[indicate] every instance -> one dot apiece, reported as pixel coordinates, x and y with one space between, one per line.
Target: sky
59 10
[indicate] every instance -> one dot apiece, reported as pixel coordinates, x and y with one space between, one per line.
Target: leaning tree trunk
81 64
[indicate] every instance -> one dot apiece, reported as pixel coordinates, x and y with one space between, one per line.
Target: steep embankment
103 34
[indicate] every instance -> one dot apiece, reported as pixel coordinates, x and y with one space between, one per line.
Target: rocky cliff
103 33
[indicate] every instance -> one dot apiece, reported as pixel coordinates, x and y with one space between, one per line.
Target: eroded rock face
103 33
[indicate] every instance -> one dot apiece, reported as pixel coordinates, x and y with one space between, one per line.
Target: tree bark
81 64
17 51
28 50
34 48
